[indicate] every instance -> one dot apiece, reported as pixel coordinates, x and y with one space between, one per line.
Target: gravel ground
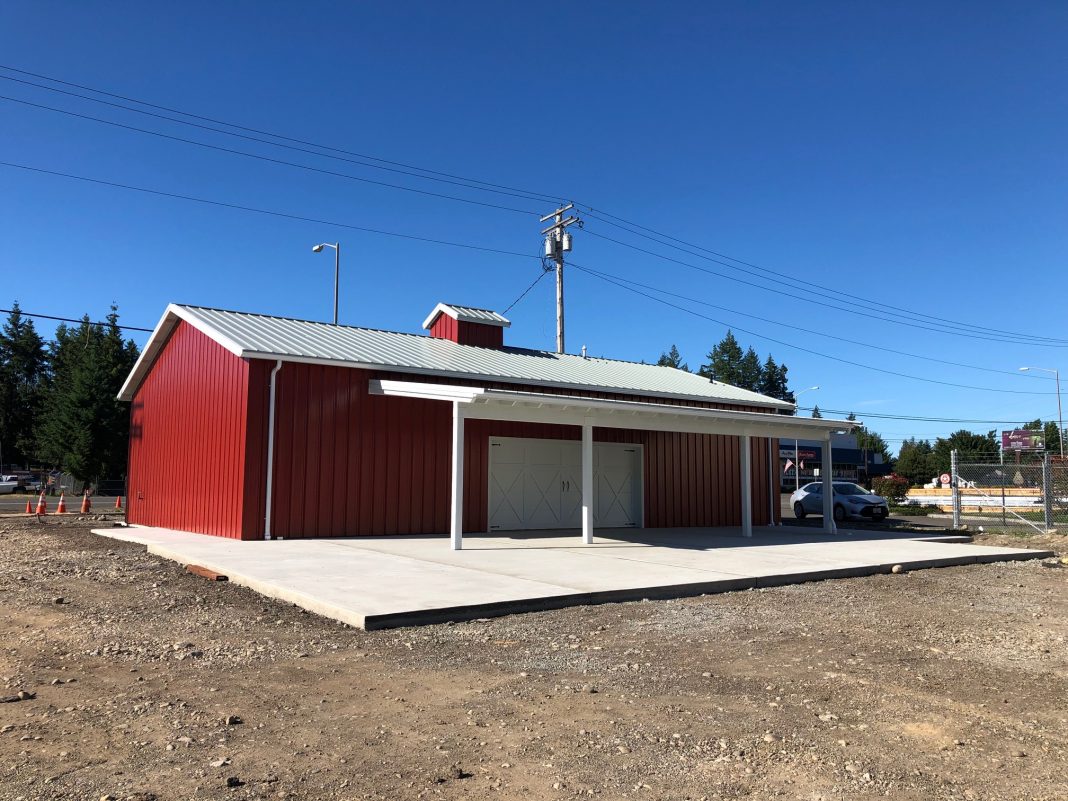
142 681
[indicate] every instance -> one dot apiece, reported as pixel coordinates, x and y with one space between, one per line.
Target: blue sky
911 155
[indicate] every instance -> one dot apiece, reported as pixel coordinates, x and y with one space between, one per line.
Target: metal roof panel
263 336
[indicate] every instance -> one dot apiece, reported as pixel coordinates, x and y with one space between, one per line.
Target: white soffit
496 404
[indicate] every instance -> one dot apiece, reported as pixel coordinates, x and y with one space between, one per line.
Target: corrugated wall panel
187 440
350 463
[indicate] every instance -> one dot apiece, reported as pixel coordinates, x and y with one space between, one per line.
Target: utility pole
557 243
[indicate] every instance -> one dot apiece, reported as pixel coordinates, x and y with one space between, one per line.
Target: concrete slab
379 582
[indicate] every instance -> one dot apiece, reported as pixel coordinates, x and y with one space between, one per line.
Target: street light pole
337 267
797 460
1060 415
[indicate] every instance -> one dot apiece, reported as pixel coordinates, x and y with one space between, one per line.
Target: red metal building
254 427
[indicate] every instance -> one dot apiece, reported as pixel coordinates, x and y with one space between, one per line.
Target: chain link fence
1031 495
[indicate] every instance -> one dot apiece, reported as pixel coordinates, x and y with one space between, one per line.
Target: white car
8 484
850 501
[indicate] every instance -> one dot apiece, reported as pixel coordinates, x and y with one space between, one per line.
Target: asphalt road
16 502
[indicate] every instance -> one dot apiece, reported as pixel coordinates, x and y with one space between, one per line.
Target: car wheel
799 511
839 514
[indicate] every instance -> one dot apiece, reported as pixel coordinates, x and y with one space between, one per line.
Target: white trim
774 488
745 450
827 479
456 314
457 500
270 454
497 404
587 482
158 339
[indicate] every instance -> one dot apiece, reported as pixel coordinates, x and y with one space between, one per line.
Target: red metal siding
444 327
482 336
188 453
465 333
350 463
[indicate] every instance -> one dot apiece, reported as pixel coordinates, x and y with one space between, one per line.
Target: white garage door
537 484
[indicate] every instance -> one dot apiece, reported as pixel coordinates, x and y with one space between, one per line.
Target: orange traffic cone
29 507
118 502
42 506
61 508
87 505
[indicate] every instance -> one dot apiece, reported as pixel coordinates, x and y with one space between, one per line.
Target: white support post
826 469
457 531
747 486
587 483
773 480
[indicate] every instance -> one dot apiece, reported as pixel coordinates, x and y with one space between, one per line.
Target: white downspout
270 452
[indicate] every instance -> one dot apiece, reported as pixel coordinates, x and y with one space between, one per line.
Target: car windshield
849 489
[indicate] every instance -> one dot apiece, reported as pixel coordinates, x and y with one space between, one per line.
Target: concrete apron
383 582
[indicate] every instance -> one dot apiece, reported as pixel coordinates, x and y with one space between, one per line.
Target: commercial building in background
848 462
256 427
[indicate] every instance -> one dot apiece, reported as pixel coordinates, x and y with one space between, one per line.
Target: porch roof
479 403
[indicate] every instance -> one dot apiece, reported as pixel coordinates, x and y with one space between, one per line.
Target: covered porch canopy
477 403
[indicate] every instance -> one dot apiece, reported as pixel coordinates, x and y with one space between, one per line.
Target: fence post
954 484
1047 491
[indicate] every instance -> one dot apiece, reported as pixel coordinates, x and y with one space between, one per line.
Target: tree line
729 364
58 406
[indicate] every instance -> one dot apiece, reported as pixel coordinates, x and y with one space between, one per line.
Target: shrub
893 487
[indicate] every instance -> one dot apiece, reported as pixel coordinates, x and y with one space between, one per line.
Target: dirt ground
150 683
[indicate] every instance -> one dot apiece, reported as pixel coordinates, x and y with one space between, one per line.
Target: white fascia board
439 309
492 404
412 389
158 338
456 314
794 424
578 415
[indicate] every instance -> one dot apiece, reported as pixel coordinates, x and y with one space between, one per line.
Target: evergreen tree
915 461
773 381
724 361
23 365
816 413
750 372
969 444
85 429
673 359
784 385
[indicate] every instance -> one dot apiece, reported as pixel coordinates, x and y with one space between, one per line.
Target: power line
522 295
534 195
838 359
867 314
270 159
360 161
914 418
72 320
597 274
284 215
809 330
803 285
604 216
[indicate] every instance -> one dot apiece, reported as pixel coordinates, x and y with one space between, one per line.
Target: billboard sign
1022 440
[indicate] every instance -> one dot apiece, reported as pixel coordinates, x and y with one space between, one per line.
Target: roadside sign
944 478
1020 439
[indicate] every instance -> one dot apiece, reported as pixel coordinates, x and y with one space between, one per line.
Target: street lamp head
317 248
